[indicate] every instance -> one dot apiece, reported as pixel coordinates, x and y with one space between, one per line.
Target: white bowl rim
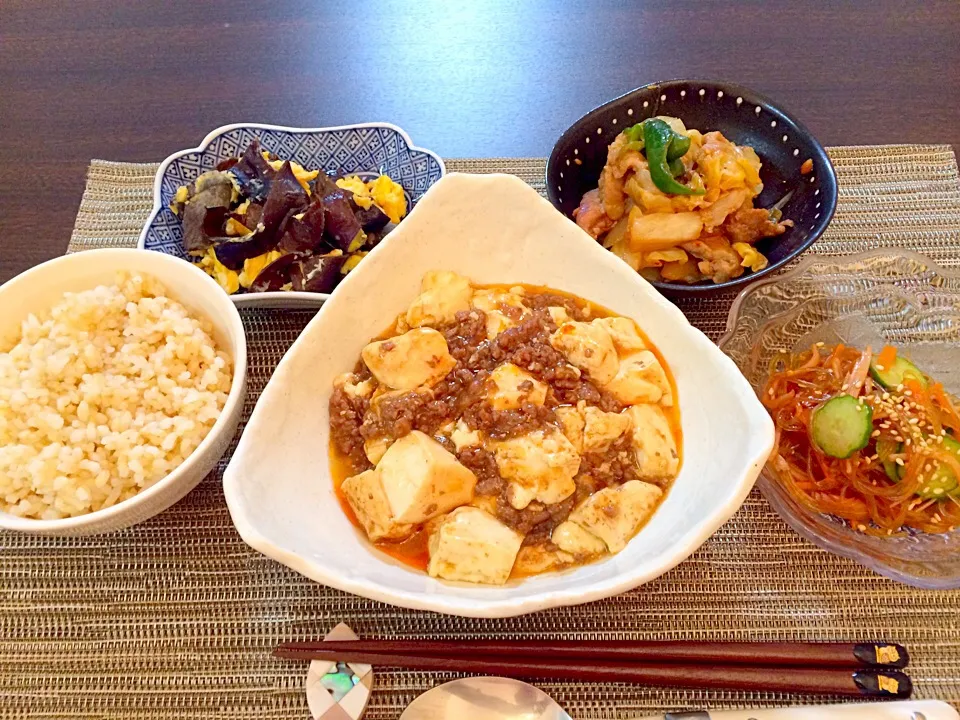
79 522
292 298
492 606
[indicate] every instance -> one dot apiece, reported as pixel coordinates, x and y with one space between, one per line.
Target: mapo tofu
498 432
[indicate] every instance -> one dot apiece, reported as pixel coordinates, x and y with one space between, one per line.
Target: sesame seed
861 527
938 491
886 396
879 367
900 462
820 344
900 387
875 433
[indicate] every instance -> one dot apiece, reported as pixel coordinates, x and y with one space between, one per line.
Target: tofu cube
589 347
364 493
559 314
463 437
503 309
354 387
573 539
624 333
615 514
471 545
653 442
375 448
601 429
539 466
442 295
405 362
537 559
640 379
422 480
512 387
572 423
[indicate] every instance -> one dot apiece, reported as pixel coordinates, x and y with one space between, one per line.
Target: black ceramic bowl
744 117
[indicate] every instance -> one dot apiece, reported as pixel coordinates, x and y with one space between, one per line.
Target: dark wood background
135 81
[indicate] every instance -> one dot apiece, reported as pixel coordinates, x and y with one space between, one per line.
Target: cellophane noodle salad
676 204
867 438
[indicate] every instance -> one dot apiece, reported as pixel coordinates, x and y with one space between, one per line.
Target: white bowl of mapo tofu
498 432
493 416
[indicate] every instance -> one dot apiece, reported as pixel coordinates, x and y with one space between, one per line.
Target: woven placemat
175 619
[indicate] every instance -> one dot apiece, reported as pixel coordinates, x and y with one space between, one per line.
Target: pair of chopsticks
865 670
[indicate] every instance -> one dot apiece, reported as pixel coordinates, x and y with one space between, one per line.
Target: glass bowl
883 296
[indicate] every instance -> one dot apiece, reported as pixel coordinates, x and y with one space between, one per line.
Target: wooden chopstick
761 654
864 683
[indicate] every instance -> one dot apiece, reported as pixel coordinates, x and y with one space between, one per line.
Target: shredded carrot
887 357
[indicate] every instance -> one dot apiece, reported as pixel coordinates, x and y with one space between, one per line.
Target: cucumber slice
841 426
891 377
885 448
943 481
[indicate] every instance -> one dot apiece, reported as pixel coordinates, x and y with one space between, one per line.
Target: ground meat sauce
484 465
462 395
346 420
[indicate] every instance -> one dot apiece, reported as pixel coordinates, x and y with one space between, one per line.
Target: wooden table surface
136 81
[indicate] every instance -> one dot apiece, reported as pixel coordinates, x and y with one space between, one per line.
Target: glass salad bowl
875 298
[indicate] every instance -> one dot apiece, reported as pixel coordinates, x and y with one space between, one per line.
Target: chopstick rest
338 690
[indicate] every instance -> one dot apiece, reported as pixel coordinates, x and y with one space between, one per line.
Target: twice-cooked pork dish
496 432
677 205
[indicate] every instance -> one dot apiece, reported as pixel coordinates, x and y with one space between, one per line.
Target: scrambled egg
230 280
225 277
361 193
183 193
389 196
255 265
750 256
383 191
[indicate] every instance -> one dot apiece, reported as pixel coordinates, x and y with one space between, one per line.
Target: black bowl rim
829 184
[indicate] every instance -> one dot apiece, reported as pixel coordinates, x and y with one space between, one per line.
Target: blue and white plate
369 148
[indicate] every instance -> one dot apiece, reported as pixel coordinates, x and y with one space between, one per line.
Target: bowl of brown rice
122 379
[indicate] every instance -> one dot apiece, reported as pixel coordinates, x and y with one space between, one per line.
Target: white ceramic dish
42 286
494 229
